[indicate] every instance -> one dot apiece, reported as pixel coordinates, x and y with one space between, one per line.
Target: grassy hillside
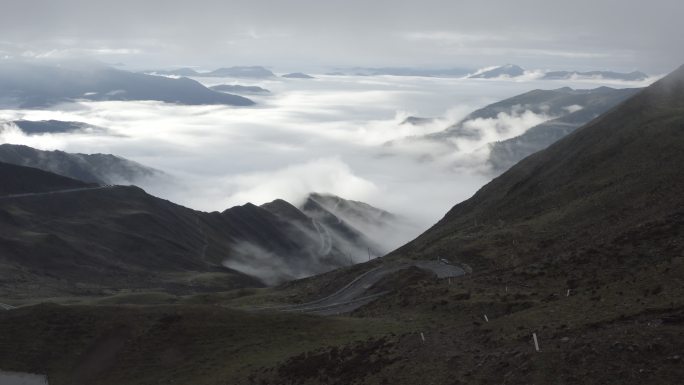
79 345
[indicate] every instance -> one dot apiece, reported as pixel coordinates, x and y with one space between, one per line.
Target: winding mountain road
57 192
353 295
345 300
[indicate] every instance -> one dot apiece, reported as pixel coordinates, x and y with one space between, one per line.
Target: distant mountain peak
298 75
285 209
177 72
605 75
257 72
417 121
507 70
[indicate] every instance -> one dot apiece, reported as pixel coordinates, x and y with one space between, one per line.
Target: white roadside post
485 317
536 342
422 337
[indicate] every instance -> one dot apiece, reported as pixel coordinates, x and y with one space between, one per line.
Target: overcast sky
306 34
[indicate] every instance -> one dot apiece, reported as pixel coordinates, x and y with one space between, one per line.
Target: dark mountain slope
364 228
122 238
338 231
617 180
87 241
278 242
352 211
91 168
20 180
116 238
287 211
343 232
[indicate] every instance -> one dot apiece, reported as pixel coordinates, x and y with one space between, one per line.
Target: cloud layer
325 135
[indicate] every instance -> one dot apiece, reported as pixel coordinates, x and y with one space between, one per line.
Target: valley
565 268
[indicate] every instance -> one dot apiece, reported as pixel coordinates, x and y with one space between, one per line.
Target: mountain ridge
90 239
91 168
34 85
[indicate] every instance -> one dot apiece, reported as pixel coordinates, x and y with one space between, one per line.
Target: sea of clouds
326 135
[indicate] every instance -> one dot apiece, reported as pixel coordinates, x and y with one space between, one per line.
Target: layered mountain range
254 72
402 71
583 106
553 103
606 75
527 123
507 71
149 242
33 84
515 71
